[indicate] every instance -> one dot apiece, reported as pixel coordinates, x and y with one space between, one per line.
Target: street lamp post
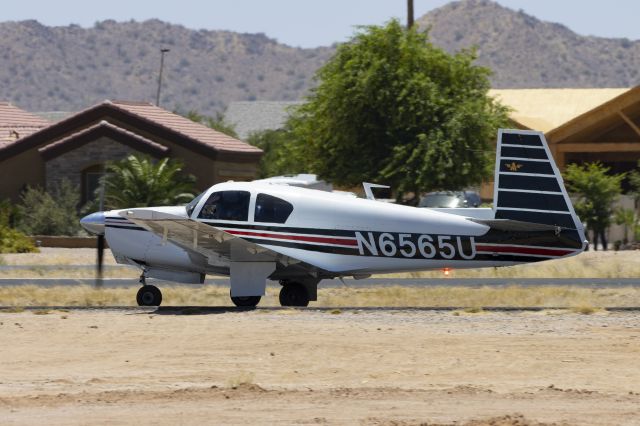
162 52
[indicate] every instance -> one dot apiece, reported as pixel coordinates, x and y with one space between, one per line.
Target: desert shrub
55 213
12 240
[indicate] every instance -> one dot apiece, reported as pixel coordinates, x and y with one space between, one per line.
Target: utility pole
162 52
409 14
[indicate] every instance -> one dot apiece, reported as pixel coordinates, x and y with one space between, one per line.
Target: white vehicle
254 231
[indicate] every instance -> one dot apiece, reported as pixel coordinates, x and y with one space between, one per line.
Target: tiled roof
51 149
253 116
196 131
16 123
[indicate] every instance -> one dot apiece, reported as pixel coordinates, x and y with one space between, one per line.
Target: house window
91 182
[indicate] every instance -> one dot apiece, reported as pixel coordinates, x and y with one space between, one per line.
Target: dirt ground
284 366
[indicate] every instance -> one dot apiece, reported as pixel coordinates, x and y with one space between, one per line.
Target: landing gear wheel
246 301
149 295
294 294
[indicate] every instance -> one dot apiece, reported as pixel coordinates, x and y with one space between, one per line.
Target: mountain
526 52
70 68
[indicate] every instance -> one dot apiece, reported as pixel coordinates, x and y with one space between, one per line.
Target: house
77 147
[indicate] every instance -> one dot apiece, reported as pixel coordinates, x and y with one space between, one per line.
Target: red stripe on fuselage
523 250
304 238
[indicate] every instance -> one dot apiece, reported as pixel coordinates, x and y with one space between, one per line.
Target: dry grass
622 264
71 273
577 298
58 256
610 264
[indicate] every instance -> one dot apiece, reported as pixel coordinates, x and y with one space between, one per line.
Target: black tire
149 295
294 294
246 301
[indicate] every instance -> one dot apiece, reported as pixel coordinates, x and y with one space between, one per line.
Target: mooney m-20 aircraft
255 231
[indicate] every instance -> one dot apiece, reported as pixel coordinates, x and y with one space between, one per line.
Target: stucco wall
20 171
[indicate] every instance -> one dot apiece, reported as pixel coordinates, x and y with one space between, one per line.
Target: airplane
257 231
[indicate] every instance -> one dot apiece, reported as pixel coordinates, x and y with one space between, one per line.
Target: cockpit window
193 203
272 209
226 205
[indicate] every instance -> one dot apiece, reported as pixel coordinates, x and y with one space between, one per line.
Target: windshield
193 203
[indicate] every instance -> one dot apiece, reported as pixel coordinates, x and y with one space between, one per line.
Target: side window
226 205
272 209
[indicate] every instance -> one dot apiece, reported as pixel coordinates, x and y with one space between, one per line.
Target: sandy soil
274 366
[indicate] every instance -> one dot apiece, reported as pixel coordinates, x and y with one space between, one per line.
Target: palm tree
138 181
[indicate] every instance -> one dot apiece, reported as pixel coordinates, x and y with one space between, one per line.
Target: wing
217 245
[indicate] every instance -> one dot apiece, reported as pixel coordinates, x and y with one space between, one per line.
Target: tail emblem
513 166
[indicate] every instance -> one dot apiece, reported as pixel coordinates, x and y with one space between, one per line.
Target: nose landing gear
148 295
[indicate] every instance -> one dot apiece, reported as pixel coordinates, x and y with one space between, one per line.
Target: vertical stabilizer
528 184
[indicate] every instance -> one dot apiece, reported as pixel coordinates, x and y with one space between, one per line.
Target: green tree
138 181
279 157
217 122
628 219
393 108
634 191
50 213
596 191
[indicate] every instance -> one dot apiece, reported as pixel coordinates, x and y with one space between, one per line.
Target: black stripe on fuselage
531 200
518 139
482 257
535 183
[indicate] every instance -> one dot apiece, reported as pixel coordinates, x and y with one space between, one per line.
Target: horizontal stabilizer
516 225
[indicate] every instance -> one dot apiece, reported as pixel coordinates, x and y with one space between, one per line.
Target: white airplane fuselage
338 233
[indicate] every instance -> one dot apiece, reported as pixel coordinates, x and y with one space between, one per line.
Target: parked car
450 199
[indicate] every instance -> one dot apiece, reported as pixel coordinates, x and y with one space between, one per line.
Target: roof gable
101 129
150 120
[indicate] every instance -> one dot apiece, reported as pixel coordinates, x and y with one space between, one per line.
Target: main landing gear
293 294
246 301
148 295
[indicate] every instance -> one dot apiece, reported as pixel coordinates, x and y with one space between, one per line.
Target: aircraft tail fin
528 184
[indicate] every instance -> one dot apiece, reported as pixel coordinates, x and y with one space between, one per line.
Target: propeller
100 247
94 224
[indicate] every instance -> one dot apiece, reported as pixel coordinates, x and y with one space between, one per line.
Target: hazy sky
310 23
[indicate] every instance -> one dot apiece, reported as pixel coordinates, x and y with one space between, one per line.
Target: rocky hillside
526 52
70 68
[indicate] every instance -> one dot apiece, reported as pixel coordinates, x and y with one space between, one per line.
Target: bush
12 240
43 213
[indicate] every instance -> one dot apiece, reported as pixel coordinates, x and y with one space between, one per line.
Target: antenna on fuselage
368 189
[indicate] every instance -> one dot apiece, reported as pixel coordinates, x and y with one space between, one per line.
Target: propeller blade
100 259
